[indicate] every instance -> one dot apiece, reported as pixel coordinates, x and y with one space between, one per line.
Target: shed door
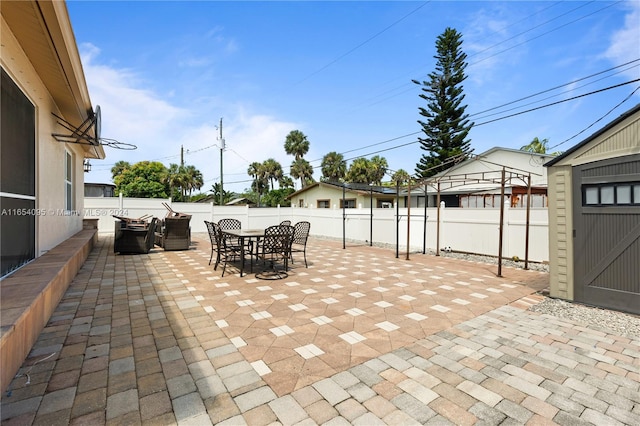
607 233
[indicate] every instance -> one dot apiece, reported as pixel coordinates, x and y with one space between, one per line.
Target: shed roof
625 115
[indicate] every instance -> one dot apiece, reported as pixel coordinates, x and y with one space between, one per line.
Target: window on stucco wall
68 181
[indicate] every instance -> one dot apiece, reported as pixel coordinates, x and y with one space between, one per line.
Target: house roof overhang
43 30
361 189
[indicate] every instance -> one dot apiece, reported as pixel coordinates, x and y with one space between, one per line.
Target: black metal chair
212 237
231 224
299 242
285 222
275 246
224 250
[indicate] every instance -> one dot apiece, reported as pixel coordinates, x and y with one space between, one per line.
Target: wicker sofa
133 238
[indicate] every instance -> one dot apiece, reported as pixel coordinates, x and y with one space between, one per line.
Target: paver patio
358 337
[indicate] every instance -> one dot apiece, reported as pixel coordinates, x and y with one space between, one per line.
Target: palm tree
176 180
400 177
333 167
301 169
536 146
296 144
379 167
254 170
359 171
272 171
260 183
119 167
192 179
285 182
226 195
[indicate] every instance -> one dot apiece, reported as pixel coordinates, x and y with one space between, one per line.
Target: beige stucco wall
52 227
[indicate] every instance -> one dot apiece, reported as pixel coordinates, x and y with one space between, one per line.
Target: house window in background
348 203
324 204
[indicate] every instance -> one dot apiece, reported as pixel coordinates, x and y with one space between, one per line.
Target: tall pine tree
445 123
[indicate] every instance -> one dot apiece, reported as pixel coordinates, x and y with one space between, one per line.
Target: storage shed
594 218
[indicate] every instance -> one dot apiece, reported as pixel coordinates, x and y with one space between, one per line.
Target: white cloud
249 137
482 38
624 42
134 114
130 113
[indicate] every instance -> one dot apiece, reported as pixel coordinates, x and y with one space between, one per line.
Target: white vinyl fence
471 230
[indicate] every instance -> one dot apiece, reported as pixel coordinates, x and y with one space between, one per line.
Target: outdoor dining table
244 235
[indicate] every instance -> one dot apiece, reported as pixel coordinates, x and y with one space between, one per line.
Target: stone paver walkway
359 337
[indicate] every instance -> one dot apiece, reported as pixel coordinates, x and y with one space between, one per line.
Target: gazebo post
397 219
438 227
408 216
344 218
526 238
424 239
502 182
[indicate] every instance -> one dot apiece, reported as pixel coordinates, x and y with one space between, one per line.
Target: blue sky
165 73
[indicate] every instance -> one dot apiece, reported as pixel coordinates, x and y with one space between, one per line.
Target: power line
363 43
598 120
373 144
485 122
499 119
409 85
545 33
492 121
556 87
559 102
556 95
527 31
527 19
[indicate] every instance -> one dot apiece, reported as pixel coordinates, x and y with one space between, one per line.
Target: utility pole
221 174
181 156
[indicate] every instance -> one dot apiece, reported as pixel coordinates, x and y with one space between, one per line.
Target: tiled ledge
29 296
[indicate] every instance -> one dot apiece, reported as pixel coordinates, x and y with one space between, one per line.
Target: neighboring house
325 195
99 190
475 182
594 218
242 201
44 99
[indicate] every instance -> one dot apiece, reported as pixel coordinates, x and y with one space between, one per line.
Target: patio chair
212 237
285 222
299 242
174 234
231 224
224 251
275 246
